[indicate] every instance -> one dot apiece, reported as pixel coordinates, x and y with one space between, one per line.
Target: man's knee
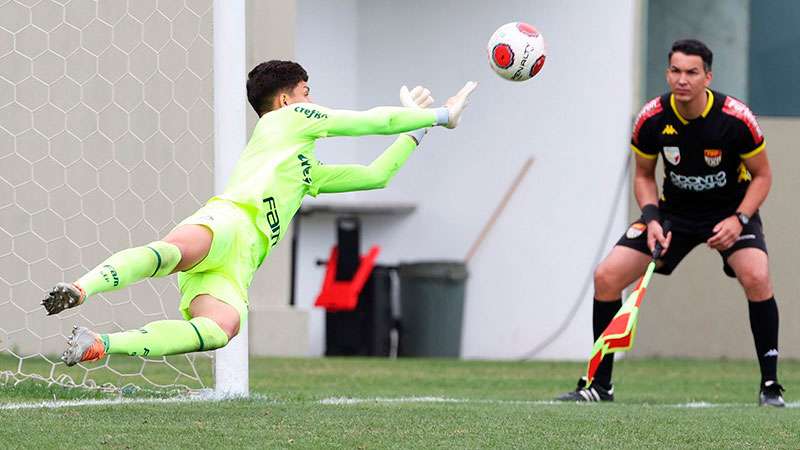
754 278
210 333
193 242
607 278
225 317
230 325
168 256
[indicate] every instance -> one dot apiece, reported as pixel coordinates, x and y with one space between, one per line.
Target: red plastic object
342 295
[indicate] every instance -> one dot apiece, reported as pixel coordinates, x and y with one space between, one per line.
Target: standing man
217 250
716 176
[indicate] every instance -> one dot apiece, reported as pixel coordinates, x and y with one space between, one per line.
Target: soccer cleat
770 394
83 345
63 296
593 393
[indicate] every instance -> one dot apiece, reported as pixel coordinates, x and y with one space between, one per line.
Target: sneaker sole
61 297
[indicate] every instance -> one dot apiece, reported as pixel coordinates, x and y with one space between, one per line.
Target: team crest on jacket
713 156
635 230
673 155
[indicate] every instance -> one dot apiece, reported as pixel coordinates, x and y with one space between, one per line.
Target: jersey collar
709 104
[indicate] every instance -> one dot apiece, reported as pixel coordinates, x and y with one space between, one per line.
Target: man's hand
725 234
419 97
455 105
656 233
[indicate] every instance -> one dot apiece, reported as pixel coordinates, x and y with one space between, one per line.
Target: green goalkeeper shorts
237 249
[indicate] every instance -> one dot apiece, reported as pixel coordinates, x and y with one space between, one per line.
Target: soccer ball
516 51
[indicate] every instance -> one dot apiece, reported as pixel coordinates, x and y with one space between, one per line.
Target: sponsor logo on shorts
746 237
635 230
311 113
673 155
698 183
713 156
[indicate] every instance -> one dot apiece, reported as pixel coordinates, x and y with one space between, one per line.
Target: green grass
494 405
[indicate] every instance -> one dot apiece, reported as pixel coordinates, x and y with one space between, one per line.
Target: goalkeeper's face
300 93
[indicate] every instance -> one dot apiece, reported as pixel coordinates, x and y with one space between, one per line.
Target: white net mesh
106 142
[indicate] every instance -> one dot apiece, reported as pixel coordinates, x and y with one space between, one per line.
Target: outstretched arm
354 177
381 120
324 122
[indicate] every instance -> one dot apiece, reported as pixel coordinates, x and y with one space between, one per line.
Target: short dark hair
693 47
270 78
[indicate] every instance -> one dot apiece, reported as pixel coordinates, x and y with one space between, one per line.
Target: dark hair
270 78
693 47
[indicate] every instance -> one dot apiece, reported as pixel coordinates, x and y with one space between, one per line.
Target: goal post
230 136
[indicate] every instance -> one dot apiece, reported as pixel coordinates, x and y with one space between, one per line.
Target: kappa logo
669 130
744 174
772 352
673 155
713 156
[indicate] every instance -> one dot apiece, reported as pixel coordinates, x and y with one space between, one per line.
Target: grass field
416 403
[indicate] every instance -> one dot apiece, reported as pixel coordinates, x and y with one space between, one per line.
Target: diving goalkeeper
217 250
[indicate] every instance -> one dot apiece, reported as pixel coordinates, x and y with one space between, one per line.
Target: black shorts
683 242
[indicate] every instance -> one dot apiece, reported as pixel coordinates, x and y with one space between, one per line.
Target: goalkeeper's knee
167 257
210 333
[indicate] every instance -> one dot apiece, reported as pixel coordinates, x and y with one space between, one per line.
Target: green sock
156 259
167 337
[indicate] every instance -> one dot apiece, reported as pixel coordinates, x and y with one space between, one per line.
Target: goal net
106 142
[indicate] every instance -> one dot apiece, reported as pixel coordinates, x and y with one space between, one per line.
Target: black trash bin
366 330
432 308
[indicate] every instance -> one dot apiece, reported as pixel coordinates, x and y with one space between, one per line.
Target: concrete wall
722 24
275 327
529 274
700 312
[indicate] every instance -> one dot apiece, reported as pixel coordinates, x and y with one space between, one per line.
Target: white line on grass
394 400
336 401
54 404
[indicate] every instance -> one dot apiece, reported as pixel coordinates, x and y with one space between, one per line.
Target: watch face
743 219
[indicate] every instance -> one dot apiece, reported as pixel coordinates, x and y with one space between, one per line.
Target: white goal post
230 136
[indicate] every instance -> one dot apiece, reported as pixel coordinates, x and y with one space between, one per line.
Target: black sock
602 313
764 324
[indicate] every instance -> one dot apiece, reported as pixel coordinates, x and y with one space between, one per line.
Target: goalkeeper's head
274 84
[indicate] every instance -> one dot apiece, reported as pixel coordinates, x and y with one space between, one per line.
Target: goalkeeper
217 250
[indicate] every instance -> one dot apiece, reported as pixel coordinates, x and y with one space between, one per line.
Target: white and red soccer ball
516 51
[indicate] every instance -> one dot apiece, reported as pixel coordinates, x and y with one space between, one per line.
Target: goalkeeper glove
455 105
419 98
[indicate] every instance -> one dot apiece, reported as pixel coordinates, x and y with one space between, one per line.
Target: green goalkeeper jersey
278 167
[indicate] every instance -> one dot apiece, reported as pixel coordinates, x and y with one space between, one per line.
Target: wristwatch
744 219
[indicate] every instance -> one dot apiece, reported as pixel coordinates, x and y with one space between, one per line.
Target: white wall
326 40
574 118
